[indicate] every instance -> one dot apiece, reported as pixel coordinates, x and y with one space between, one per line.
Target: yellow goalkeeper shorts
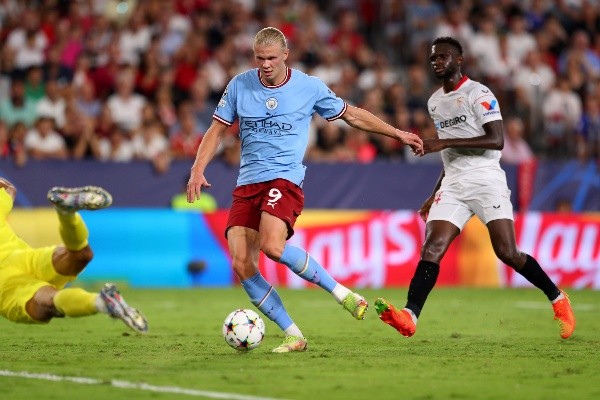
22 274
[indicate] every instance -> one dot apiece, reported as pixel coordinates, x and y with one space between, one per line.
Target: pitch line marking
131 385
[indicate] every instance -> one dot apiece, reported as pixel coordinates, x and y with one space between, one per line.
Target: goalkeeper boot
356 305
119 309
563 313
290 344
79 198
401 320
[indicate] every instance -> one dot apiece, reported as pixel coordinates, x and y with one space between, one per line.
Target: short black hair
451 41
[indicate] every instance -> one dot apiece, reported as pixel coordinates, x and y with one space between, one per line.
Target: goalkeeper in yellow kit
33 280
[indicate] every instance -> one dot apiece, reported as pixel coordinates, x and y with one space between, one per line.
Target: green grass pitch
470 344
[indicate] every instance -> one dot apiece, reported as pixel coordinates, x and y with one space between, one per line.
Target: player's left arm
362 119
492 139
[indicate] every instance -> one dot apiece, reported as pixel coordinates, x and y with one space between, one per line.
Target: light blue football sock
306 267
267 300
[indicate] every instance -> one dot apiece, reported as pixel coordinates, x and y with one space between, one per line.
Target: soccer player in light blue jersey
274 105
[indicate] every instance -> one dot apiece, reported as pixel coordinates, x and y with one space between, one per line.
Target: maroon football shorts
279 197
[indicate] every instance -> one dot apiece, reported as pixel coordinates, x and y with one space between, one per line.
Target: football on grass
243 329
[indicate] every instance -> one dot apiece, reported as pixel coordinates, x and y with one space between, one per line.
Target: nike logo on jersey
433 108
489 106
496 207
485 91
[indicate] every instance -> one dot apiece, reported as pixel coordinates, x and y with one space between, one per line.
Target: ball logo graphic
271 103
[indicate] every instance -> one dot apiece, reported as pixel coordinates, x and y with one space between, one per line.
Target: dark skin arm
492 139
424 210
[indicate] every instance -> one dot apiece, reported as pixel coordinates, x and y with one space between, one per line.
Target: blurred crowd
139 79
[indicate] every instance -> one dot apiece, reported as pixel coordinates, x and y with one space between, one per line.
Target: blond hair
270 36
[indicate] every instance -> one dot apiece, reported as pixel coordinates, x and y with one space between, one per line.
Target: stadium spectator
516 150
580 50
484 48
70 43
82 73
417 87
107 69
561 109
172 27
35 87
17 134
271 173
535 14
105 124
52 104
184 142
150 143
186 67
377 73
42 142
147 80
422 17
135 39
5 150
519 41
329 68
471 183
346 36
588 131
230 152
329 145
116 147
16 107
532 82
53 69
86 101
455 23
28 41
202 106
34 280
80 130
74 126
165 107
556 40
126 105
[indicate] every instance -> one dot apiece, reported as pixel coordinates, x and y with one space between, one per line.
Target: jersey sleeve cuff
223 121
338 115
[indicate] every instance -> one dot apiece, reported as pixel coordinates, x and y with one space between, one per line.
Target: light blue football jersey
274 122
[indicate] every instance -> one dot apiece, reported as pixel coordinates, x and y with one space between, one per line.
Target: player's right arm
206 151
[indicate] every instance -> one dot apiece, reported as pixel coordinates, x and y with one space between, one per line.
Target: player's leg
273 244
502 235
447 216
50 302
76 254
439 234
282 203
244 251
70 260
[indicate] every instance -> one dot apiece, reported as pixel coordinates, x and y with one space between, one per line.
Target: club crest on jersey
271 103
